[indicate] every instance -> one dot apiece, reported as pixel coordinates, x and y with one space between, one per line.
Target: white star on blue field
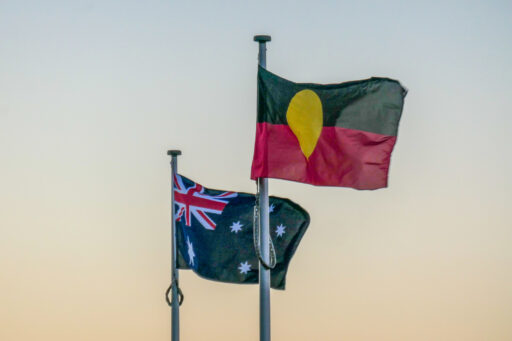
191 253
236 226
244 267
280 230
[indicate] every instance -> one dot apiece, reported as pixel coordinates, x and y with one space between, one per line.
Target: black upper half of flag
215 233
372 105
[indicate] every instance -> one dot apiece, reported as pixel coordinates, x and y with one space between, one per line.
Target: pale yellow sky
93 93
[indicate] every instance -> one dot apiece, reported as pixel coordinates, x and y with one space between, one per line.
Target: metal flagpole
175 304
264 225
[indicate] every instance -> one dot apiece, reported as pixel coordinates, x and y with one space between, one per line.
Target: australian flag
215 233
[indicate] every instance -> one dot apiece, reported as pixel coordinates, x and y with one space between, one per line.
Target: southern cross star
244 267
280 230
271 208
236 226
191 253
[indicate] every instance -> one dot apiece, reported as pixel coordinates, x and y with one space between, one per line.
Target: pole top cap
262 38
174 152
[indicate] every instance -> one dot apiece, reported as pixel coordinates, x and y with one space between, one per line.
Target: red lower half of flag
342 157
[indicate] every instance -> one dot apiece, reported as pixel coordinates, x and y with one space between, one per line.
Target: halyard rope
256 233
181 297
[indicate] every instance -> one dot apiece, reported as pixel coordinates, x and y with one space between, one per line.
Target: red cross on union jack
193 201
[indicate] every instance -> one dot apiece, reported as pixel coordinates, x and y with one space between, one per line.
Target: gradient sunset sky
93 94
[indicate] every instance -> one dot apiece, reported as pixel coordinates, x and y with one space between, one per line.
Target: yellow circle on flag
305 118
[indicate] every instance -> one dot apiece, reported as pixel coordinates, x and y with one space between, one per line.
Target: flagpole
175 307
264 224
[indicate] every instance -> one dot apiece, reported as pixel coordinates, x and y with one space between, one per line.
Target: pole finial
174 152
262 38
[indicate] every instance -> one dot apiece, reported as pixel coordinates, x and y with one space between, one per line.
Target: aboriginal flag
326 135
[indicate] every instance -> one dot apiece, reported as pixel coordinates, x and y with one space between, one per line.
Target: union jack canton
192 201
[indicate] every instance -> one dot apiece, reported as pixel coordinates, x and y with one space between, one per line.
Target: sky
93 94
